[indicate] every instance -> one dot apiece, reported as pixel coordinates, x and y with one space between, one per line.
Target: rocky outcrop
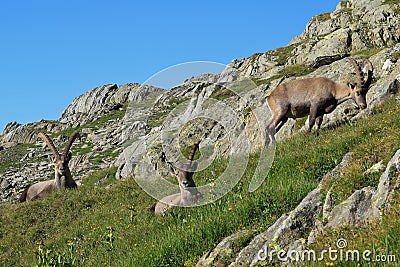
102 139
94 103
224 249
367 204
15 133
197 93
297 230
96 150
353 26
196 111
324 45
99 101
370 28
289 227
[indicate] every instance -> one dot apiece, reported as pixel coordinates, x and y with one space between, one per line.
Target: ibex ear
51 158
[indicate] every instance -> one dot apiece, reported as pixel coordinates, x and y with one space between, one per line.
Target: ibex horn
50 144
69 143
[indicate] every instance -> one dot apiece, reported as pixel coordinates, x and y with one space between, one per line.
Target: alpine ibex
63 177
315 97
189 193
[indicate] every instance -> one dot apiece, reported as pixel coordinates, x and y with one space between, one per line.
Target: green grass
280 55
322 17
391 2
368 52
96 124
396 55
10 158
283 54
111 226
291 70
161 111
107 155
255 57
379 237
296 70
220 93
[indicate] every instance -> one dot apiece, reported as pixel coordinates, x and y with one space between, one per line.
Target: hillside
318 189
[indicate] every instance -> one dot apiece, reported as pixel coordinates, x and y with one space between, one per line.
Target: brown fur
152 209
62 173
189 192
22 198
314 97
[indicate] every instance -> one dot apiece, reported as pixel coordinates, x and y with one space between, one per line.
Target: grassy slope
112 227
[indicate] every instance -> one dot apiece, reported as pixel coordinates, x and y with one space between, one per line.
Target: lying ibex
315 97
189 193
63 177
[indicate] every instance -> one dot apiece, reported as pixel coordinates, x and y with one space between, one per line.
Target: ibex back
315 97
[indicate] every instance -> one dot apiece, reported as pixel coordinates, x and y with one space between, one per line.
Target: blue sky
52 51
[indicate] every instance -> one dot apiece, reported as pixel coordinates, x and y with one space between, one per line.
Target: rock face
101 100
298 229
16 133
368 203
100 138
353 26
90 104
229 117
196 95
134 140
321 50
199 110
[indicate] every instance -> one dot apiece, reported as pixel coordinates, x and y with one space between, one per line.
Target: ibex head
185 174
60 161
360 89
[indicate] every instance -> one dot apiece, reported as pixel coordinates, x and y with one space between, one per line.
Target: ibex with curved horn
315 97
63 177
189 193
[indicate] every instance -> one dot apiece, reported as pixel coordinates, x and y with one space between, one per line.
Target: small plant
391 2
291 70
138 238
296 70
73 260
44 256
322 17
10 158
109 238
368 52
396 55
49 258
281 54
221 93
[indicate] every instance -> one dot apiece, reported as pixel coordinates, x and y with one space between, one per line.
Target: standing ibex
63 177
315 97
189 193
